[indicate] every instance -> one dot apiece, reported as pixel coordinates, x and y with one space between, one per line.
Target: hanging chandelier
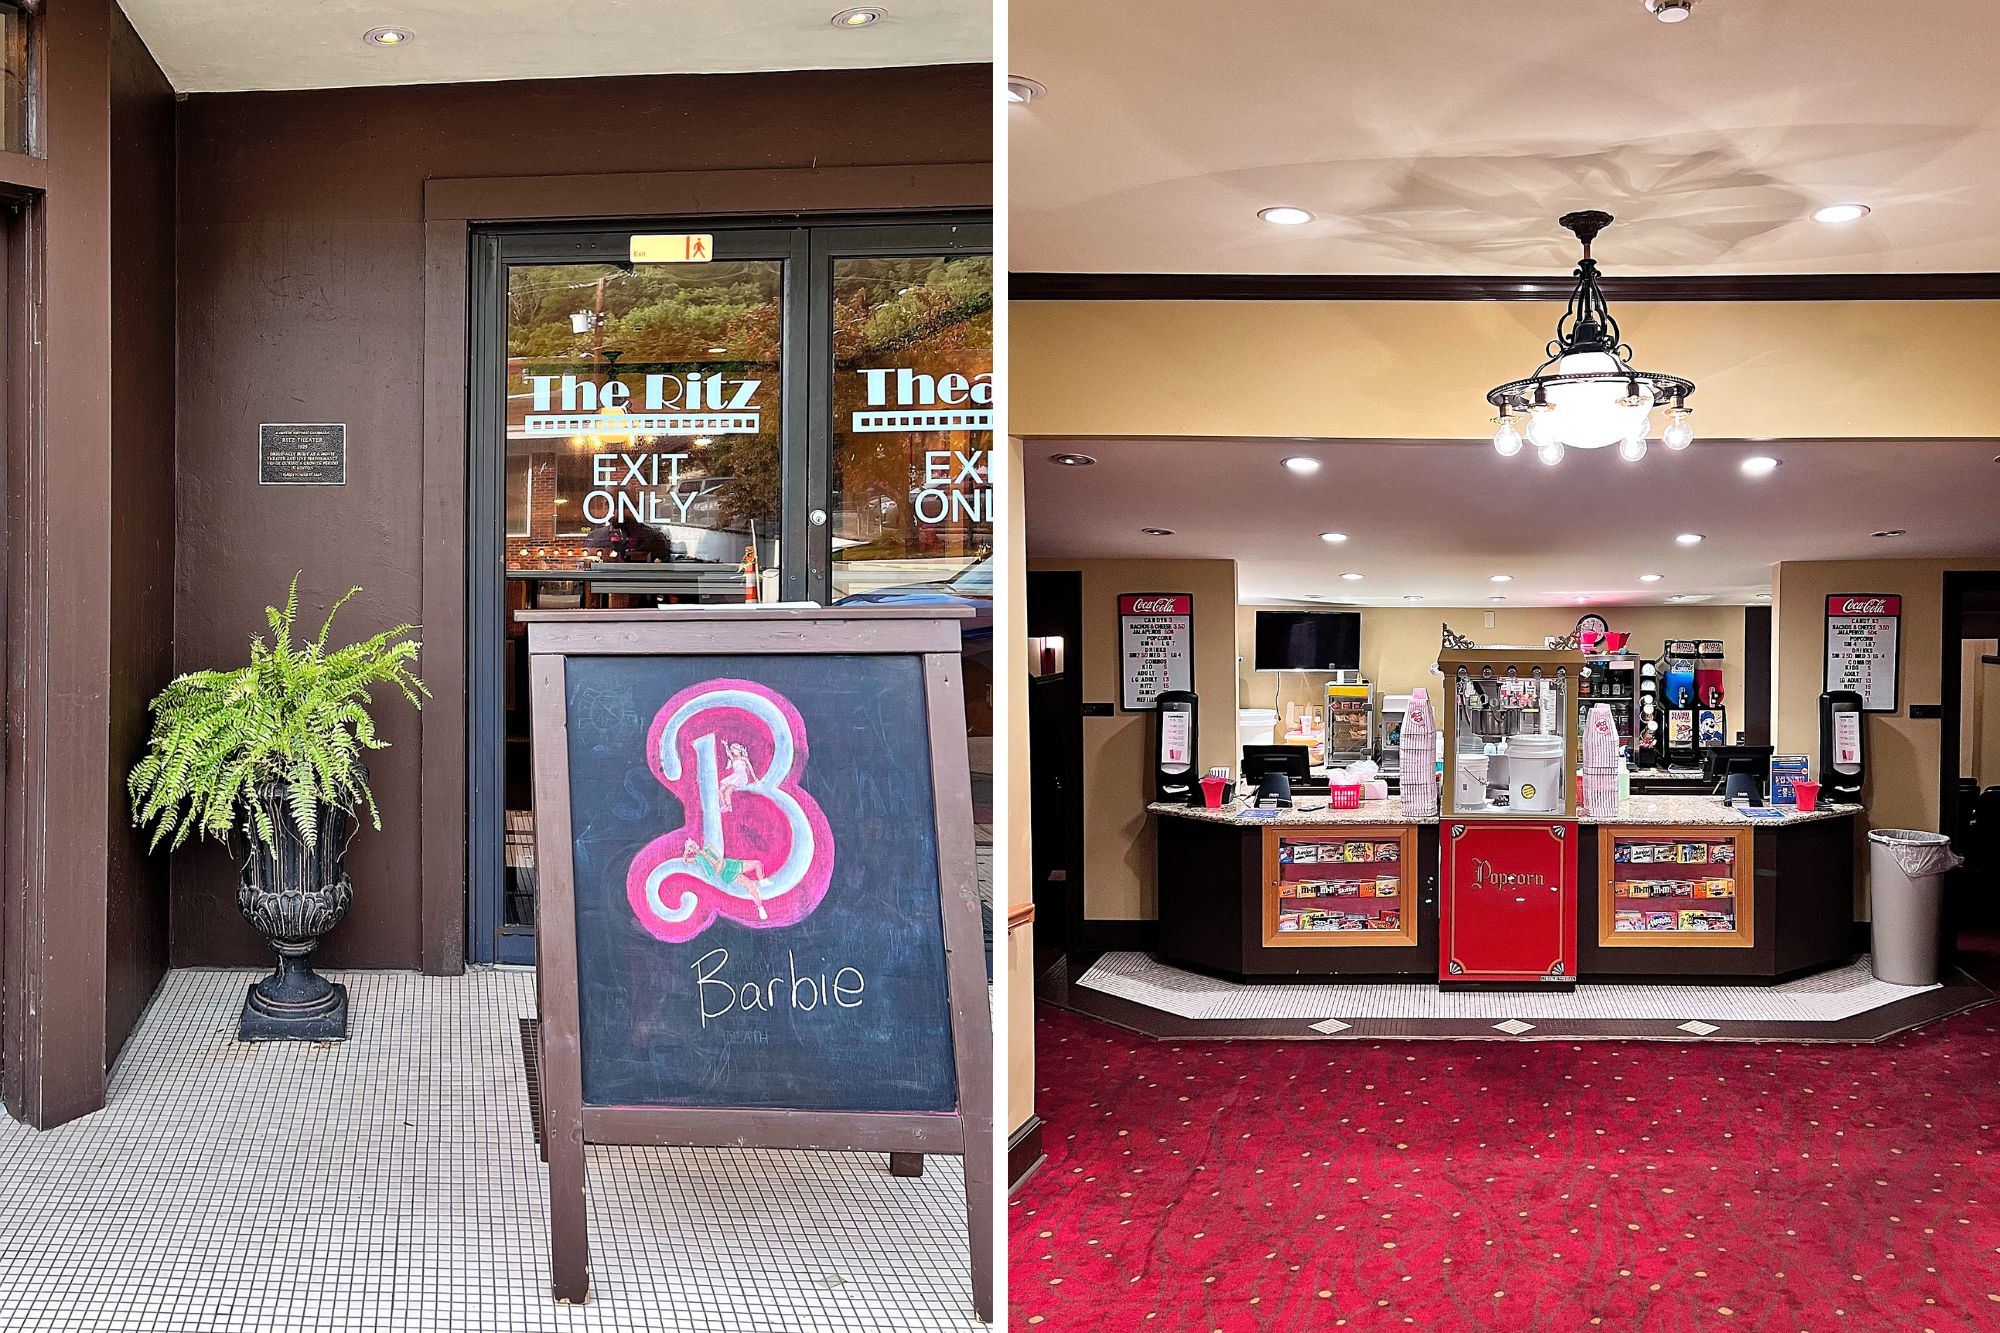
1586 395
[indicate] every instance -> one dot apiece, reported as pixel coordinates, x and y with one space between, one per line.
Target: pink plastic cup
1808 795
1211 791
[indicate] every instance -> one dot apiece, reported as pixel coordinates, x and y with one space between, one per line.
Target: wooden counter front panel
1213 893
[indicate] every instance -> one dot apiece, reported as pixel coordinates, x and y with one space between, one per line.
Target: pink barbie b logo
754 846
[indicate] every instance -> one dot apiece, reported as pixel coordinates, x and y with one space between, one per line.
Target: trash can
1906 870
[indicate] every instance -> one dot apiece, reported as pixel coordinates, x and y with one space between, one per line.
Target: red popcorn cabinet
1507 902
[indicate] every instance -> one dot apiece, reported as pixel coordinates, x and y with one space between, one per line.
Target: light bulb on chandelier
1587 394
1679 434
1507 439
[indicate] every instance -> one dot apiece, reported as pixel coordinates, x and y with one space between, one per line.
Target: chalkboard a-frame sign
759 922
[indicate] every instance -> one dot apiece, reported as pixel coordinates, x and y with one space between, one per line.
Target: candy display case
1343 886
1675 886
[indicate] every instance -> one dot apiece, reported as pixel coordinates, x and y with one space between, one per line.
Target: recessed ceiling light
1158 532
1670 11
1285 215
1305 467
1022 91
1763 596
859 18
1496 599
1579 600
1758 465
1888 532
1351 577
388 36
1689 538
1412 597
1838 213
1501 578
1678 597
1072 460
1651 578
1334 537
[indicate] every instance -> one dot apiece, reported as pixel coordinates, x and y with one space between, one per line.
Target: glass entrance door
803 415
910 443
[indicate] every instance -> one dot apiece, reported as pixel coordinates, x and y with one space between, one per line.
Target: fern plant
295 718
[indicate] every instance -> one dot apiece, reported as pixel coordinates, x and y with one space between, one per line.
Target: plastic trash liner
1906 870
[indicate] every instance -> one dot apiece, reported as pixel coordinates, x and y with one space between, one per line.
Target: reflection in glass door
640 459
807 415
911 436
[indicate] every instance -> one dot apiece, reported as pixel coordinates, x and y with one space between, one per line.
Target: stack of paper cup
1600 763
1419 755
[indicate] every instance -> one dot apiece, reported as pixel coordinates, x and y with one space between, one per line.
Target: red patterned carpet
1254 1185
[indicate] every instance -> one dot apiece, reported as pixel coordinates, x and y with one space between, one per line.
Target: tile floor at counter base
391 1182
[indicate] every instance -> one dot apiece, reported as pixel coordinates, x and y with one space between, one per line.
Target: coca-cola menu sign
1155 646
1861 647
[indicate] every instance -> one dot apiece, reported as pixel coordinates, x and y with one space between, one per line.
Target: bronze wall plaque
302 454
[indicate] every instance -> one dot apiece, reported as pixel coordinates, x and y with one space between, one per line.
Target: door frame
452 207
495 250
1957 584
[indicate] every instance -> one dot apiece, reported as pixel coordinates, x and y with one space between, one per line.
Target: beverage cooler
1507 903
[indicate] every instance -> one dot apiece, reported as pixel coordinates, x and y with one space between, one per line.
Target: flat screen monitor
1291 760
1308 640
1719 761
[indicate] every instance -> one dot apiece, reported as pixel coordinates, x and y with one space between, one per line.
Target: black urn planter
293 895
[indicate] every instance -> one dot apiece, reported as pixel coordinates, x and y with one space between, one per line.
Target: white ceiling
1446 138
1437 520
240 45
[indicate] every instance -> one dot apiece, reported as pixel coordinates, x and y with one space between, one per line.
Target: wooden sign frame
929 633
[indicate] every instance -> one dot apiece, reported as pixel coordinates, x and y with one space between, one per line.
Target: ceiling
1438 520
240 45
1443 142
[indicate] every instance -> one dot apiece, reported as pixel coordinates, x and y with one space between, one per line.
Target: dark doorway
1055 741
1969 781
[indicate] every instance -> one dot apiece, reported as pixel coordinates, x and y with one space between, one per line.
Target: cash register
1279 772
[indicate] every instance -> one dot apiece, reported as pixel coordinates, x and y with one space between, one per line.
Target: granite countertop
1641 810
1309 810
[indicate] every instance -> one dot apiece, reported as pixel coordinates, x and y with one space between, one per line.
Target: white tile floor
391 1183
1838 993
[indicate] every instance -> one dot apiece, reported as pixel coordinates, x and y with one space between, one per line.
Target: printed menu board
1861 647
1155 646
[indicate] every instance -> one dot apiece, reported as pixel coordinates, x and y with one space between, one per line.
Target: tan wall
1016 829
1117 750
1400 644
1420 370
1902 754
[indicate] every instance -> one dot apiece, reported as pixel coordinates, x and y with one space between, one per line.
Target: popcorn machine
1507 876
1513 732
1350 719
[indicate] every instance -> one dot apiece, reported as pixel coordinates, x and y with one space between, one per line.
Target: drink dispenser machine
1174 776
1842 764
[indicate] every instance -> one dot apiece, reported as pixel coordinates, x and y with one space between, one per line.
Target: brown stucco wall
142 501
301 299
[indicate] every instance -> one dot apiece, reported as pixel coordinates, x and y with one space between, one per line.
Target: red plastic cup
1808 795
1211 791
